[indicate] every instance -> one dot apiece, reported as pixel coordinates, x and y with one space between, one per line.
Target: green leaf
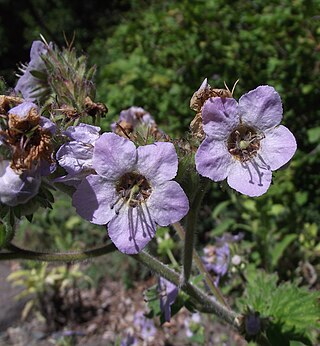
280 247
293 311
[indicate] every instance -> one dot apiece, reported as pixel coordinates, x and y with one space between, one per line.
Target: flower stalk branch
72 256
208 304
191 222
202 269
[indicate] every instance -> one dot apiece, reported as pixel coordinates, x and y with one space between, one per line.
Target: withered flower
197 101
29 136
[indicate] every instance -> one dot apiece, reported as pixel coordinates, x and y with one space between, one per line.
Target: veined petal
94 198
213 159
278 147
168 203
220 116
83 133
251 178
75 157
261 108
158 162
113 156
132 229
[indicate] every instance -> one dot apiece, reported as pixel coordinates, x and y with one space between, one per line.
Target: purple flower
145 325
168 294
76 156
132 117
129 340
217 259
132 191
192 324
28 85
244 141
16 188
136 120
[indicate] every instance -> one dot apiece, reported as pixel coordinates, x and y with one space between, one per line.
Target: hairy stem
202 269
72 256
192 218
208 304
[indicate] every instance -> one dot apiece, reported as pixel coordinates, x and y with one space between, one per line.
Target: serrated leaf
294 311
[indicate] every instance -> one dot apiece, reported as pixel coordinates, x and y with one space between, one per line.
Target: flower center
244 142
133 188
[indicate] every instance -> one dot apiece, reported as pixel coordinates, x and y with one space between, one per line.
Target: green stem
72 256
197 259
208 304
192 218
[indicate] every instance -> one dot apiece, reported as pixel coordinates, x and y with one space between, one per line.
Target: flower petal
251 178
23 109
220 116
75 157
261 108
132 229
83 133
17 189
113 156
93 199
47 124
213 159
168 203
278 147
158 162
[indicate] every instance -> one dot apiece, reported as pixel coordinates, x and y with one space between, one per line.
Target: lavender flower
244 141
217 259
132 191
16 188
168 294
145 326
76 156
192 324
129 340
136 119
29 85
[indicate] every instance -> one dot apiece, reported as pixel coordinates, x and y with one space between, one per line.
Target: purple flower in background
168 294
244 141
217 259
132 117
132 191
145 325
28 85
136 120
76 156
17 188
192 324
129 340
